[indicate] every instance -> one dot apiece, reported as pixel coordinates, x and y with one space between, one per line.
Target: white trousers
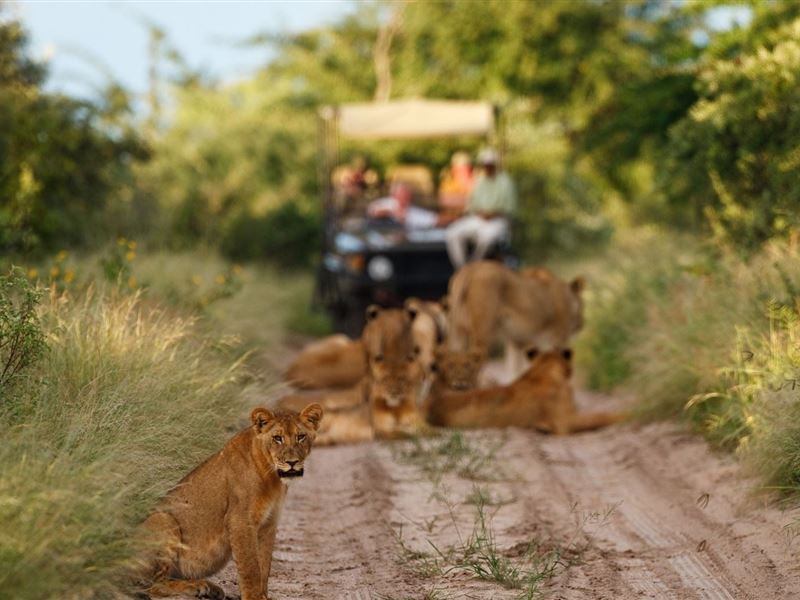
482 232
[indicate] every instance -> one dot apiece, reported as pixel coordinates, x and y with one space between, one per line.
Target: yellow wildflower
61 256
69 275
33 273
220 279
132 282
236 269
121 241
132 245
130 255
54 271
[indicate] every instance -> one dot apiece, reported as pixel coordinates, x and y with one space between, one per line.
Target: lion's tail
595 420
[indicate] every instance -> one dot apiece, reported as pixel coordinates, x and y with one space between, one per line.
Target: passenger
398 207
455 187
492 202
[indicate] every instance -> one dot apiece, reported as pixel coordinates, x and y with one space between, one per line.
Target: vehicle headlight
380 268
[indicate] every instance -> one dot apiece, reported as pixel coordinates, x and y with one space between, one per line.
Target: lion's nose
292 463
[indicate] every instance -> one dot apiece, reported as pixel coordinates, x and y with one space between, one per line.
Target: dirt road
630 512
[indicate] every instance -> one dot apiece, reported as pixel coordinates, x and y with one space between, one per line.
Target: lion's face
286 437
394 383
458 370
556 363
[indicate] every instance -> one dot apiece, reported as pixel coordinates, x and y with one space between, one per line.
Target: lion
337 361
385 404
488 302
541 398
229 505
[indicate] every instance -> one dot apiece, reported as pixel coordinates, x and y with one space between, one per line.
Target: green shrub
21 337
286 235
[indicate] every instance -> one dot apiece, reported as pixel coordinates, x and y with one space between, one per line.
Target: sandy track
639 512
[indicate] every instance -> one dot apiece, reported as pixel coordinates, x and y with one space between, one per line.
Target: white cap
488 156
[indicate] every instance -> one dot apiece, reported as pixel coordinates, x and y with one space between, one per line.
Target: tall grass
707 335
127 398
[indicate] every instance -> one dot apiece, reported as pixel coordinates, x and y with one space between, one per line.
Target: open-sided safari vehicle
372 260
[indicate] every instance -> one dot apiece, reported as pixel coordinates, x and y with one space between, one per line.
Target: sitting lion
230 504
385 404
541 398
337 361
488 302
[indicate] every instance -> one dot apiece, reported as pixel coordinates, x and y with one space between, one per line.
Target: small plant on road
467 456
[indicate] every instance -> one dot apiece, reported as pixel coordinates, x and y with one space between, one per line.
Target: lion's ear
577 285
412 308
311 415
567 354
532 353
372 311
261 418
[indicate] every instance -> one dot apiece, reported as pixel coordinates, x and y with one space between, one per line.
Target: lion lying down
229 505
541 398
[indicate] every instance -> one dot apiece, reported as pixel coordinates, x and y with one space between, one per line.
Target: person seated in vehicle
455 187
352 184
398 207
491 204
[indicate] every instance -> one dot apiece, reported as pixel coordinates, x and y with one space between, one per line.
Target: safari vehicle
380 261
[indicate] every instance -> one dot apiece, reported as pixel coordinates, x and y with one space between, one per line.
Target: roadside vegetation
703 334
111 393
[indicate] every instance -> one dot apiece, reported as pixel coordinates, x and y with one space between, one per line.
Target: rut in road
635 512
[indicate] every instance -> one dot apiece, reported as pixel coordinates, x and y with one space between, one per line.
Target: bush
735 154
709 338
286 235
127 399
21 337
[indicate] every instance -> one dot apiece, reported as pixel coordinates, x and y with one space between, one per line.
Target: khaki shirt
493 195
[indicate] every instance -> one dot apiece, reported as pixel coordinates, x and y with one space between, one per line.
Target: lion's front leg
244 545
266 545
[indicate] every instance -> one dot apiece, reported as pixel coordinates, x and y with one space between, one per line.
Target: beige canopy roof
411 118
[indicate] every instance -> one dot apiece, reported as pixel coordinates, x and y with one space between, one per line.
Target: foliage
285 235
735 154
61 160
707 337
21 338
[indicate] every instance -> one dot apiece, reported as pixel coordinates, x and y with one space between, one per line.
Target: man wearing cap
492 201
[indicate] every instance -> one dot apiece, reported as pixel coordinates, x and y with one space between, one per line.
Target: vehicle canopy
410 119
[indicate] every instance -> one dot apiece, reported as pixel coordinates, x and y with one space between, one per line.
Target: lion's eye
278 439
301 437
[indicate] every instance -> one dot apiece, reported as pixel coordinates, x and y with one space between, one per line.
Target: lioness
332 362
539 399
337 361
385 404
230 504
489 302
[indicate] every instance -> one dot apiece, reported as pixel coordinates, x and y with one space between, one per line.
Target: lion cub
541 398
230 504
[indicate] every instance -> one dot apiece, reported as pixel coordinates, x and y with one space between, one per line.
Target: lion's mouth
289 473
